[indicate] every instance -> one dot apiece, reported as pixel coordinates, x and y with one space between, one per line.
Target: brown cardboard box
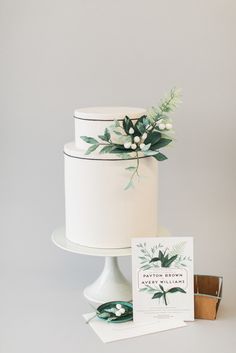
207 296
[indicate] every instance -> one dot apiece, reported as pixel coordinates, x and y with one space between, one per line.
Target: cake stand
111 284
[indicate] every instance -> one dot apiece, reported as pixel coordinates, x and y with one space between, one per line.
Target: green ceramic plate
105 312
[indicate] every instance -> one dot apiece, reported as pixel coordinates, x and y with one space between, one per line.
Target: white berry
131 131
122 310
142 146
137 139
144 136
118 306
118 313
161 127
127 145
133 146
168 126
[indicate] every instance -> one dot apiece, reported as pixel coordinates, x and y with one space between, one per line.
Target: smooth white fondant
99 212
93 121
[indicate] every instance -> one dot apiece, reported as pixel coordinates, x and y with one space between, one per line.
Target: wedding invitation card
162 278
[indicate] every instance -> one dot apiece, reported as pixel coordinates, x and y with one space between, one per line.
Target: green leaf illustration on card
164 293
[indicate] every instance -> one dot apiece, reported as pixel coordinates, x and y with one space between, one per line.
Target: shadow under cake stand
111 284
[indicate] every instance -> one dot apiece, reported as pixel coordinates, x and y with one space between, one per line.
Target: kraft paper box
207 296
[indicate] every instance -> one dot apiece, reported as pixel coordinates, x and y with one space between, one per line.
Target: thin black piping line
106 160
76 117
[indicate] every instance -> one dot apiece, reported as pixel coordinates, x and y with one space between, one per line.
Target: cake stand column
110 285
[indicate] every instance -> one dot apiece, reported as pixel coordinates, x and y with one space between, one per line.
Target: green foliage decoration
144 138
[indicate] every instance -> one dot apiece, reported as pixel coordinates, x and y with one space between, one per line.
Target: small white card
109 332
162 278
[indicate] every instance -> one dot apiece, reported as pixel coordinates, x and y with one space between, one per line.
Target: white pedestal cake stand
111 284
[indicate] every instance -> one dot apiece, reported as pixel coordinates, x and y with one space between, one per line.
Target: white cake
99 212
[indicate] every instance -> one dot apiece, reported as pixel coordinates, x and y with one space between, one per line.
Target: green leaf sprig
108 312
144 138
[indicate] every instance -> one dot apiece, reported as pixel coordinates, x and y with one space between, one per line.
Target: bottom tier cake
99 212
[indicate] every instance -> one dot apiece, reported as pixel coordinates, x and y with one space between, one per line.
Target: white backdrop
60 55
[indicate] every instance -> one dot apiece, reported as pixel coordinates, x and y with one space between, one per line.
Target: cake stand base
111 284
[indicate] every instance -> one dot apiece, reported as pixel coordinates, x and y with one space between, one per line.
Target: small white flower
161 126
118 306
168 126
144 136
142 146
122 310
159 121
137 139
118 313
131 131
127 145
133 146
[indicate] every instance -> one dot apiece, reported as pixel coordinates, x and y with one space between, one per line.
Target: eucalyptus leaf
168 262
107 149
150 153
143 289
140 127
157 295
160 157
161 143
107 134
118 133
117 123
153 137
130 168
113 318
103 138
91 149
129 185
154 259
145 121
90 140
146 147
176 289
161 255
145 267
103 315
127 124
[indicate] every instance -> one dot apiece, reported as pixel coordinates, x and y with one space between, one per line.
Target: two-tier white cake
99 212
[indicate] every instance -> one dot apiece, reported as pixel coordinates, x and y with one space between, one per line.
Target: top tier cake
93 121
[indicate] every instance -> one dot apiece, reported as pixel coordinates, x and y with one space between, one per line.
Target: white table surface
41 311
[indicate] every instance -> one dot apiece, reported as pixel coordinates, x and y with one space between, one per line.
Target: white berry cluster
120 310
163 126
137 141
